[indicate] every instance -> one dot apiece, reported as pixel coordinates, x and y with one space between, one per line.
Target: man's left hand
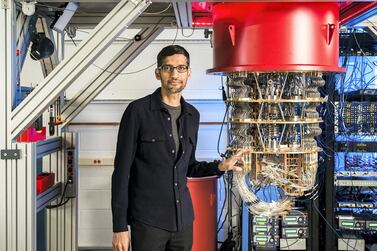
230 163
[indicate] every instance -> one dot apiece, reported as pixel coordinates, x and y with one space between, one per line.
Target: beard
175 89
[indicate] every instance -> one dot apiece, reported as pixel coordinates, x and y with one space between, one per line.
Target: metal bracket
183 13
10 154
4 4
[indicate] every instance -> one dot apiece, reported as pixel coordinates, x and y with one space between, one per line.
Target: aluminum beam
25 193
7 87
90 20
54 227
372 30
50 63
69 69
329 188
24 23
62 222
120 61
7 70
49 195
48 146
183 13
356 13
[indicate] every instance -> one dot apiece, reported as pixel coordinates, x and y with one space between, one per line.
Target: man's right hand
121 241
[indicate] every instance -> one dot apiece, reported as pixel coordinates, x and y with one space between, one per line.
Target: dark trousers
148 238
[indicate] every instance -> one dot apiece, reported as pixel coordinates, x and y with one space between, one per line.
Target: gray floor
95 249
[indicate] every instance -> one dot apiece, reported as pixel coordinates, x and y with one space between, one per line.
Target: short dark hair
170 51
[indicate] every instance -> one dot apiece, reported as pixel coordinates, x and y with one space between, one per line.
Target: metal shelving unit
49 195
48 146
45 148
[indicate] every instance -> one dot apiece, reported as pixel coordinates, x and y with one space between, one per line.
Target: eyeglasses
169 68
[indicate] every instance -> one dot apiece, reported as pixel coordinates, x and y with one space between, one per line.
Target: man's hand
121 241
230 163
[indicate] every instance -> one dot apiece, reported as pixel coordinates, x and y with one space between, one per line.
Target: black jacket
149 182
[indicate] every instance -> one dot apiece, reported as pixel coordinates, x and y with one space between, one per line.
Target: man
155 154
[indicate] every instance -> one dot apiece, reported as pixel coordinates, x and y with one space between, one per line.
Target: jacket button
181 136
153 140
172 151
175 184
177 201
170 135
168 118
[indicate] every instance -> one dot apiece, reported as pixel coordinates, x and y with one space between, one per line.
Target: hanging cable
61 203
137 71
224 97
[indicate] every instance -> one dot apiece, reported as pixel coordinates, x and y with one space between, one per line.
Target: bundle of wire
273 116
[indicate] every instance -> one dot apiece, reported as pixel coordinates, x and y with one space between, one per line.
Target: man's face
173 73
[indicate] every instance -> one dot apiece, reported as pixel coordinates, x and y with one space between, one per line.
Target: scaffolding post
8 164
18 162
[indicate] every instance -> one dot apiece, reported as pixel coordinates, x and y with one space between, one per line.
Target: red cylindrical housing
204 199
276 36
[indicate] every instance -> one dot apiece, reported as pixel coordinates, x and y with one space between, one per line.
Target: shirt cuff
120 223
217 170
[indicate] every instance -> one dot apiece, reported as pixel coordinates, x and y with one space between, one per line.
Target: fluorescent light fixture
63 20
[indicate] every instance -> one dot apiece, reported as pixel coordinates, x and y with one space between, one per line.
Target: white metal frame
18 176
106 75
70 68
8 178
183 13
91 20
50 63
23 41
62 222
372 30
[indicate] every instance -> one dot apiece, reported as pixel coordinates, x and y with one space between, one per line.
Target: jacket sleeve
124 157
201 168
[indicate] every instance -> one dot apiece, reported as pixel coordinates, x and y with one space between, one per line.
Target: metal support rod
282 88
282 134
260 137
90 20
354 11
50 63
183 13
106 75
371 29
7 88
71 68
329 180
23 40
259 90
314 225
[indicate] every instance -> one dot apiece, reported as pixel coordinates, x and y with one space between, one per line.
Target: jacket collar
156 103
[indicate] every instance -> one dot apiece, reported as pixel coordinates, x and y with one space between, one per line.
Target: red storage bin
31 135
44 181
204 198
